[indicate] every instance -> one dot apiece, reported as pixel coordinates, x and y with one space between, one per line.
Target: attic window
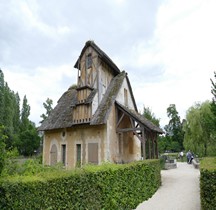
89 61
63 133
125 97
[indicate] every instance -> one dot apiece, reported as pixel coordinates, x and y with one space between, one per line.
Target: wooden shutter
53 155
93 153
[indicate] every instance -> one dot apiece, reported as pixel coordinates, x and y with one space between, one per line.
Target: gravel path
179 190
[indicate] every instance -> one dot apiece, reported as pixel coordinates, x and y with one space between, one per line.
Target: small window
125 97
78 155
89 61
63 134
64 154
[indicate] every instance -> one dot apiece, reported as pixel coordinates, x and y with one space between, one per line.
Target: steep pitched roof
108 100
104 57
61 115
140 118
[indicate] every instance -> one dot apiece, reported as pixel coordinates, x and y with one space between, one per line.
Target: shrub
108 186
2 148
208 183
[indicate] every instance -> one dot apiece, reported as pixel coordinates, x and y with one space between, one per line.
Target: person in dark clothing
189 154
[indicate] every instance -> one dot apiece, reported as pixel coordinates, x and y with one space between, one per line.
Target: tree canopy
148 114
14 121
213 103
199 129
48 107
174 131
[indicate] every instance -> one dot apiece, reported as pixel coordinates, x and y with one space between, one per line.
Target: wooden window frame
64 154
89 61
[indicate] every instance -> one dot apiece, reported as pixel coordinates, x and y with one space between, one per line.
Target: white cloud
45 83
168 48
184 44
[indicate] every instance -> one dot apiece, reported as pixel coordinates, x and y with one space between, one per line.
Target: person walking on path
179 190
181 156
189 154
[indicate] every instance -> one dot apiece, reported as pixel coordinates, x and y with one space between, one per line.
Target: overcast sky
168 48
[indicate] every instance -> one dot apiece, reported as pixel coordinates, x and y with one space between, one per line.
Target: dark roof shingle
61 115
108 100
104 57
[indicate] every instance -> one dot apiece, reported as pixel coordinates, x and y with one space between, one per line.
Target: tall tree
198 129
174 128
3 138
8 115
25 114
28 140
2 84
48 107
213 104
148 114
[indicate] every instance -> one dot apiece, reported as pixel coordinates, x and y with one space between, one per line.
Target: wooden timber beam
119 130
143 144
119 121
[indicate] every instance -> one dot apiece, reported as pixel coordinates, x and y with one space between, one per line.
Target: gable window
125 97
89 61
64 154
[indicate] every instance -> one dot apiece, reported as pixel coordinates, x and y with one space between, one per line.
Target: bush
208 183
2 148
108 186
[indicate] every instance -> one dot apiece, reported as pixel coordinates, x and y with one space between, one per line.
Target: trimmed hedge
107 186
208 183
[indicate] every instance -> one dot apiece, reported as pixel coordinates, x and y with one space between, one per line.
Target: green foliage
174 130
208 183
213 103
2 149
199 130
28 141
26 166
107 186
48 107
166 143
9 111
20 131
148 114
11 166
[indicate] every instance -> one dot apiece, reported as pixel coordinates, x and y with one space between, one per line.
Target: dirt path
179 190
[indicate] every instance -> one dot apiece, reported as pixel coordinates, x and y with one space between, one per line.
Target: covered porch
131 121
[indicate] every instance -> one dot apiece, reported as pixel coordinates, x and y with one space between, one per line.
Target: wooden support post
156 146
153 144
149 144
143 144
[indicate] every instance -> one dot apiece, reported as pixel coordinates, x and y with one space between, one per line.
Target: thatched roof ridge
104 57
108 100
140 118
61 115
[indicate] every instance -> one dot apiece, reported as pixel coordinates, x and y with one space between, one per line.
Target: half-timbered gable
98 120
